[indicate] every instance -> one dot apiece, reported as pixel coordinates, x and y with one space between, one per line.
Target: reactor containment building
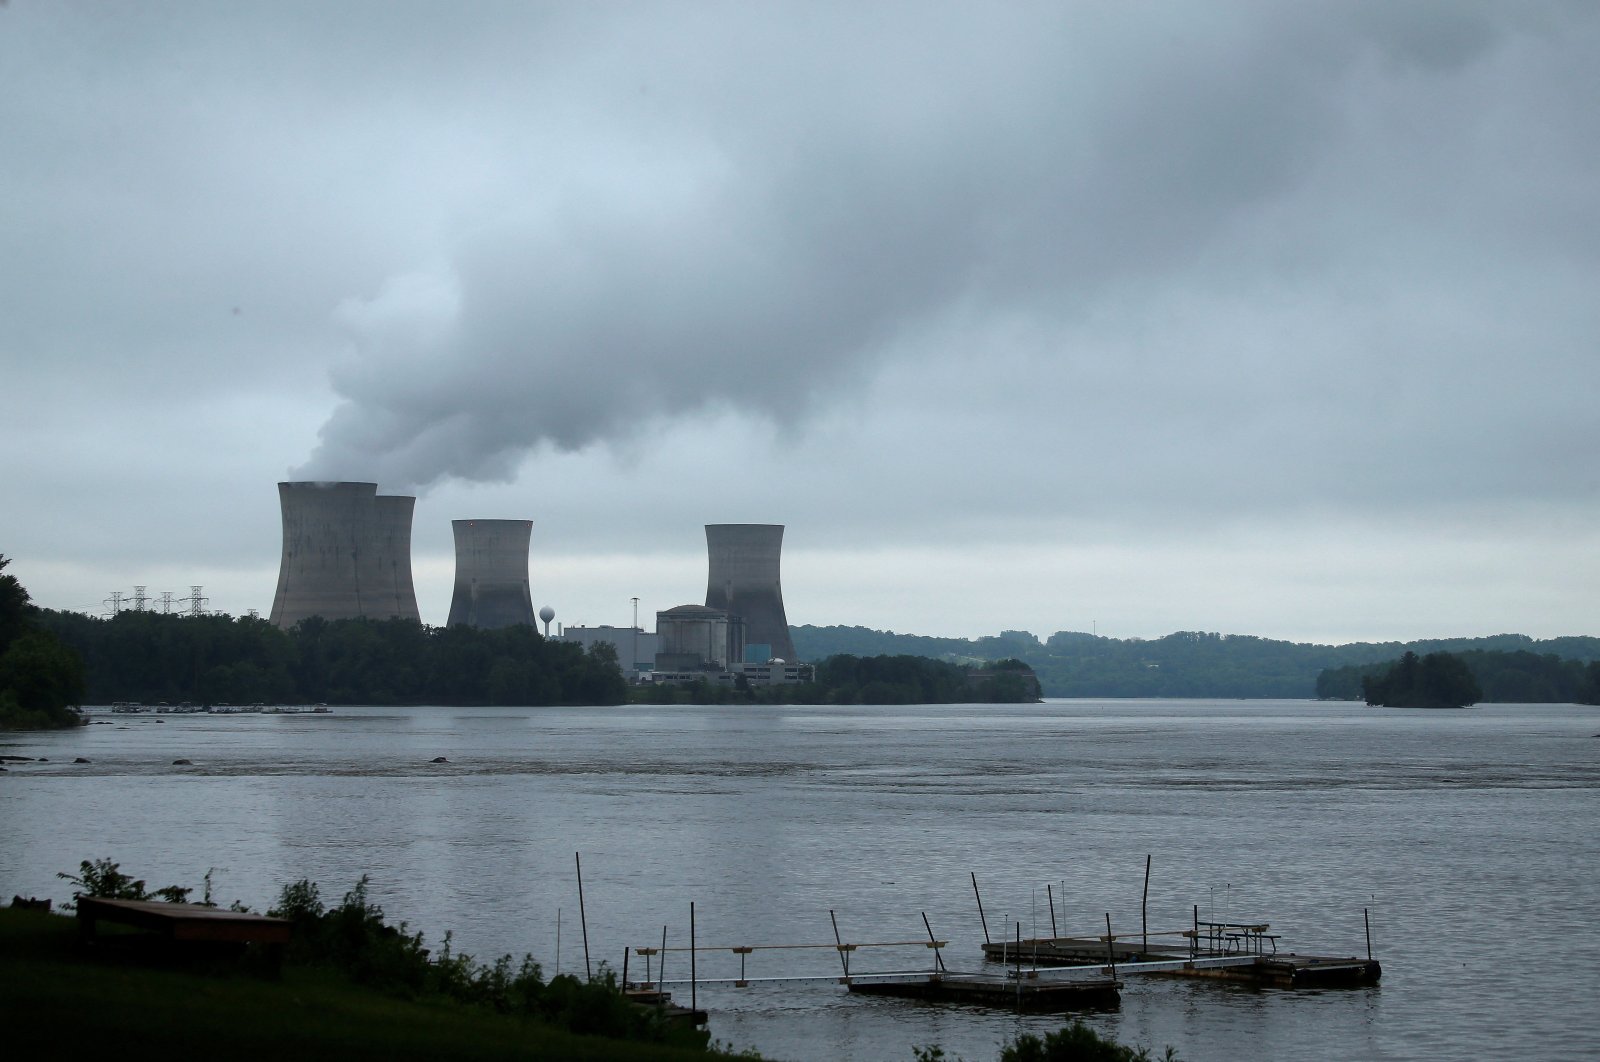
346 553
743 582
491 574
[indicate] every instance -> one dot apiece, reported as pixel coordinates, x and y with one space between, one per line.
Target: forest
1199 664
40 679
1519 677
152 657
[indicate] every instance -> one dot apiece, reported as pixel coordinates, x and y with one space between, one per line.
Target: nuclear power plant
346 554
743 582
491 574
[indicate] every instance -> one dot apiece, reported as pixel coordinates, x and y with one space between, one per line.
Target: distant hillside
1183 664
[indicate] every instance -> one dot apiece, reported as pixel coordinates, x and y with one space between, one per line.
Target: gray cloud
1075 266
789 194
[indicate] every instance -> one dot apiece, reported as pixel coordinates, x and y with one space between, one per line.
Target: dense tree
1516 678
1185 663
151 657
1438 680
41 680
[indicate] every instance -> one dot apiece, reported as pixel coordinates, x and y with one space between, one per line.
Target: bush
1075 1043
102 879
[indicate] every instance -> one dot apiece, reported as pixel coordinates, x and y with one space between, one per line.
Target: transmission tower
166 602
114 602
139 598
196 603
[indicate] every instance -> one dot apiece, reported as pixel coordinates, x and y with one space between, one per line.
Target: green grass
59 999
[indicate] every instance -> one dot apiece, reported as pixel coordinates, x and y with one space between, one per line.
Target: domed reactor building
492 574
744 582
346 554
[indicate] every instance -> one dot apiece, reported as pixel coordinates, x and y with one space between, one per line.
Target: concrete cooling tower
346 554
491 574
744 582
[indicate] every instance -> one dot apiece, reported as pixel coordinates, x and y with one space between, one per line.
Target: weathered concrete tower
346 554
388 593
744 582
491 574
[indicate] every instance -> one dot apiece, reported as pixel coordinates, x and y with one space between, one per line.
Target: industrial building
346 553
697 638
491 588
636 648
743 582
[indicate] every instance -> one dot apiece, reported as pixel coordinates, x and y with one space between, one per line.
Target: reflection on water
1468 836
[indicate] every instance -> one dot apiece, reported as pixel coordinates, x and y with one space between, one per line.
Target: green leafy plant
103 879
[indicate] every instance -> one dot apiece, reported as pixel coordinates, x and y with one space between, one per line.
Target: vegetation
1437 680
41 680
343 981
1518 677
1074 1043
1183 664
152 657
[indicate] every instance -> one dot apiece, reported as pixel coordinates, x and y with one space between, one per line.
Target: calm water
1471 837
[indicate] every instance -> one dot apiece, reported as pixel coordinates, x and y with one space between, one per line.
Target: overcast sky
1259 318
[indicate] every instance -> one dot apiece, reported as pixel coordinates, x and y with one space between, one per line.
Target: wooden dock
1237 952
1039 974
1025 993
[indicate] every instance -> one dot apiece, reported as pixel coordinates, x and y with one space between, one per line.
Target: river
1468 836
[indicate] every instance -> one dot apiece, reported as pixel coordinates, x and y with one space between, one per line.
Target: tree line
1196 663
1516 678
40 678
152 657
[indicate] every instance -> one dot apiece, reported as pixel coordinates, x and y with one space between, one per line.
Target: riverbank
61 1000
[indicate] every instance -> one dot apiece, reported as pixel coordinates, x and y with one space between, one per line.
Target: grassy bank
63 1000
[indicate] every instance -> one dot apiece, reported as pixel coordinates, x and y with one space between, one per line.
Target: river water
1469 836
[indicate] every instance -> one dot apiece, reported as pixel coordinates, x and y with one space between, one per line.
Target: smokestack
744 582
491 574
346 554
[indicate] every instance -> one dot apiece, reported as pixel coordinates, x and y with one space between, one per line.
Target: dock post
558 942
1144 908
933 943
583 919
982 919
1111 953
1050 896
693 976
661 973
1019 967
1194 941
844 957
1367 919
625 968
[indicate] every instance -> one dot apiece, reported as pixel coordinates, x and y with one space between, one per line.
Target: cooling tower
492 574
387 592
744 581
346 554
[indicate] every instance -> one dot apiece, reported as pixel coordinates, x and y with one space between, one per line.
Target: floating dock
1244 953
